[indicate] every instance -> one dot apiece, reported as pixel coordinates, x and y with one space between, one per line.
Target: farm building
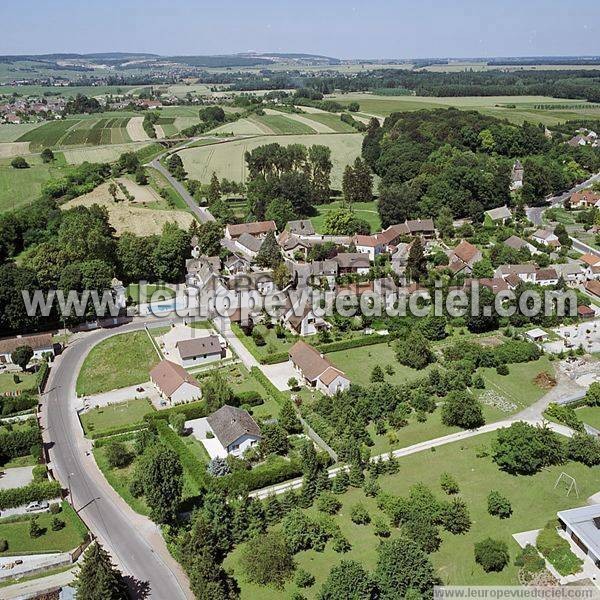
174 383
257 229
316 371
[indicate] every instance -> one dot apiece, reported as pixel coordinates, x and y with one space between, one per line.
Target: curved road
135 543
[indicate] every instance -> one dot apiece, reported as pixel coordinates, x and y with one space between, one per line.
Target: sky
342 29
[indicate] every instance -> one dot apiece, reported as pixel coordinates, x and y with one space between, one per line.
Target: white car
37 506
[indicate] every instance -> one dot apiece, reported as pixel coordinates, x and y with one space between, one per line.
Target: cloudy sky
348 29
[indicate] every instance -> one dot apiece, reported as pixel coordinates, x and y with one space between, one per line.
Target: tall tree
97 578
214 190
416 266
269 254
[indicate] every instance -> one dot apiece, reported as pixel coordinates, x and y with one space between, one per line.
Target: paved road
135 543
584 248
203 214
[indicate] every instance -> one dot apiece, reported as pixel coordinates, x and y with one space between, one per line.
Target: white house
303 321
42 345
174 383
353 262
248 244
545 237
316 371
229 430
368 244
498 215
198 351
536 335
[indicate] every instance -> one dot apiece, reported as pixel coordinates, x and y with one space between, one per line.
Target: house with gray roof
582 525
234 429
198 351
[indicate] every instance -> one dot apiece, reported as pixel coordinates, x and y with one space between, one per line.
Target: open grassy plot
518 388
76 156
12 132
227 159
16 532
364 210
117 362
537 109
331 120
358 363
590 415
273 344
19 187
280 124
26 382
133 291
534 501
49 134
116 415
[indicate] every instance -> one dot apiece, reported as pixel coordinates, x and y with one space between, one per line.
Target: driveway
279 374
16 478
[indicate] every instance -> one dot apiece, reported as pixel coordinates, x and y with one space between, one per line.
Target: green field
227 159
19 187
590 415
7 382
117 362
133 291
76 132
363 210
527 108
358 363
16 532
11 133
534 501
282 125
114 416
39 90
273 343
330 120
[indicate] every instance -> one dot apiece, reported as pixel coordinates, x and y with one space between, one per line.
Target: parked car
37 506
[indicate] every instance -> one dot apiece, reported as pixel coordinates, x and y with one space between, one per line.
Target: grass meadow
363 210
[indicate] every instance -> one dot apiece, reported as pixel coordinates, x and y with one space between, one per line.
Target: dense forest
462 160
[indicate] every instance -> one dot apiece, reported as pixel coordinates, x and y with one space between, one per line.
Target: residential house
257 229
248 245
497 216
591 265
547 276
585 312
545 237
494 284
418 227
42 345
302 320
304 275
353 262
198 351
463 257
300 227
316 370
525 272
237 263
369 245
516 243
258 281
400 259
536 335
293 245
391 236
516 176
572 273
585 199
593 287
174 383
235 429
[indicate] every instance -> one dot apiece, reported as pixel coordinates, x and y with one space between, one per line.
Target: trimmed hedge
96 435
271 390
41 376
192 410
124 437
260 477
34 492
19 442
14 405
250 398
195 468
273 359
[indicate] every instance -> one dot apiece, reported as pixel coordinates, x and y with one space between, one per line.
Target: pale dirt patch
160 132
314 125
132 216
135 130
10 149
101 153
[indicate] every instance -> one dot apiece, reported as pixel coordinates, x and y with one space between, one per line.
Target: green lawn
16 533
27 381
117 362
116 415
589 415
133 291
282 125
197 448
273 343
364 210
534 501
518 387
358 363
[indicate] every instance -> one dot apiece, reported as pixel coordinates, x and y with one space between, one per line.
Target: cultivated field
312 124
11 133
227 159
526 108
242 127
76 132
145 215
76 156
135 130
10 149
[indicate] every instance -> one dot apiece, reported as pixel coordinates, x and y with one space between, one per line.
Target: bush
177 422
564 414
250 398
18 162
3 545
17 443
530 561
328 503
557 550
40 473
304 579
462 410
117 455
584 448
267 385
359 515
498 505
57 524
55 508
191 410
382 527
449 484
491 554
35 531
502 370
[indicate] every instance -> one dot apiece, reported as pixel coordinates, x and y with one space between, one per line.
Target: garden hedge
34 492
192 410
96 435
271 390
